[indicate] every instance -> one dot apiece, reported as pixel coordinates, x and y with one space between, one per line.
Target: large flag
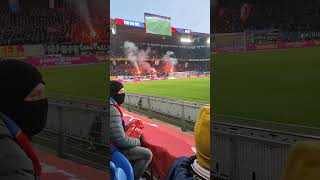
246 10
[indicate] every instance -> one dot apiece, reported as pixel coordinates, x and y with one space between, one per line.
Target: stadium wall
248 153
184 110
59 55
53 61
84 142
268 47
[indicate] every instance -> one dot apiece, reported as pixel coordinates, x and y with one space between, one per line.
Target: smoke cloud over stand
83 10
140 58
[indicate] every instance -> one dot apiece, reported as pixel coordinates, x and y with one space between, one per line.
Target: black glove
141 138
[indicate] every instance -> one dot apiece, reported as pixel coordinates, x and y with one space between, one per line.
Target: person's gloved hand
141 138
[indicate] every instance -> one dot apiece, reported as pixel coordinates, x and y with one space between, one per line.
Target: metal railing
78 131
178 112
248 153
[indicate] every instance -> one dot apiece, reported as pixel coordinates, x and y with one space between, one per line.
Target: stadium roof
124 22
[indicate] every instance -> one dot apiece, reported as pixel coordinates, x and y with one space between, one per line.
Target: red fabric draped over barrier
166 142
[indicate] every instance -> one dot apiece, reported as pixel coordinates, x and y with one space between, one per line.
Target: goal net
230 42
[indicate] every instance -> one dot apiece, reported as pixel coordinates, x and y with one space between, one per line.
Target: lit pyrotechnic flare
154 70
138 71
171 70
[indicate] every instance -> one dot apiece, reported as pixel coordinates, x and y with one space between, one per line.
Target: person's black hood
18 79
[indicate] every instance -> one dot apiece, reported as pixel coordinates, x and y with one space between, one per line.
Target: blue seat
120 174
113 169
117 173
119 161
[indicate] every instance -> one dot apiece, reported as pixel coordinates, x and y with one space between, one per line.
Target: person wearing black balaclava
129 146
117 92
23 114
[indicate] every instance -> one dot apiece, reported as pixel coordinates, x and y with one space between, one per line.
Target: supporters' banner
59 60
10 51
246 10
77 49
269 46
33 50
119 59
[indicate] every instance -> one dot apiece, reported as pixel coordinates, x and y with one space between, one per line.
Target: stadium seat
121 162
117 173
112 169
120 174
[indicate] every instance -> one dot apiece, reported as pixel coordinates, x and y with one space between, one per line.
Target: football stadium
160 61
264 56
165 71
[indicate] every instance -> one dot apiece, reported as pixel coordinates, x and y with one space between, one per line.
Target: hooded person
128 146
23 114
196 167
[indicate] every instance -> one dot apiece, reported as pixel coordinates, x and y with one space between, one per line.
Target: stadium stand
193 56
44 25
126 68
239 16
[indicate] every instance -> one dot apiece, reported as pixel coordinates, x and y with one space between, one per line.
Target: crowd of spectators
41 24
158 51
126 68
301 17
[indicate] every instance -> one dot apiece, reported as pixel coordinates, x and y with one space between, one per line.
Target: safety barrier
247 153
184 110
78 131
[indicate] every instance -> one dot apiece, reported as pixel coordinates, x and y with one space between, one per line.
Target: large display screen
156 24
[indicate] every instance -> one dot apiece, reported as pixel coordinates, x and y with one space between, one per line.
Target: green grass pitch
84 81
279 86
90 82
193 89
